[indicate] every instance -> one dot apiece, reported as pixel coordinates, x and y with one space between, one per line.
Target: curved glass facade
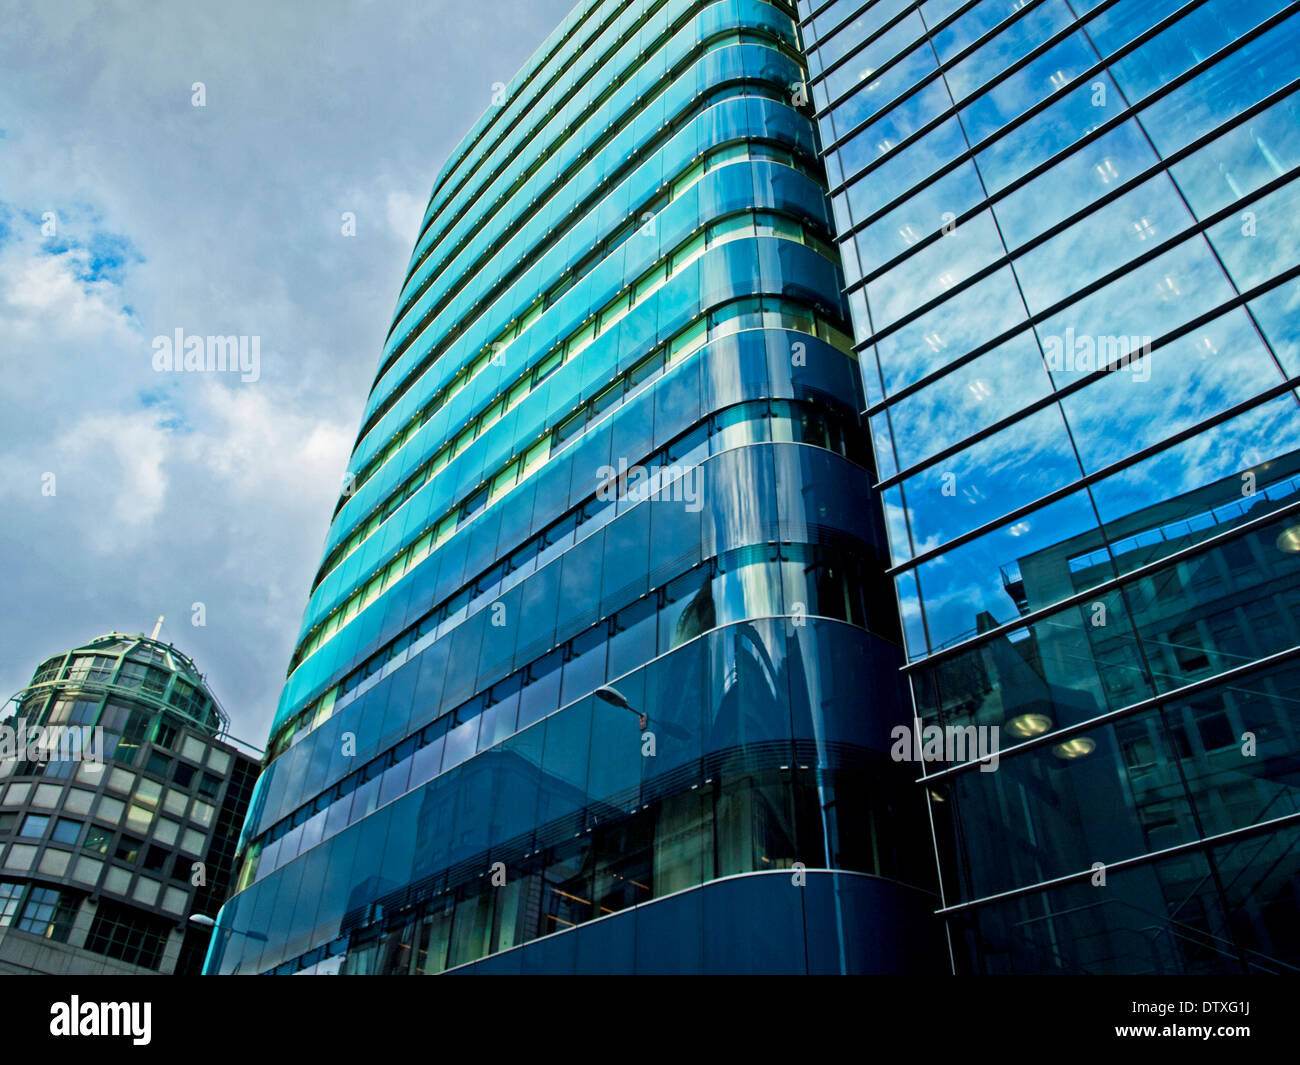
601 631
1065 231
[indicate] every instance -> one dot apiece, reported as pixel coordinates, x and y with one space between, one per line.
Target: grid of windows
40 911
11 894
47 913
1069 235
160 779
127 934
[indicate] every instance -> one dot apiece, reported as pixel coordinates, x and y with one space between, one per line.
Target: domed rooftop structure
138 668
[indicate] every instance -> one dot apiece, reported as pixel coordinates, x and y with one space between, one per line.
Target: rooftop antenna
157 628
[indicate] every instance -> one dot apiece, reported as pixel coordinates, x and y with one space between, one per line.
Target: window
183 775
140 817
132 674
165 735
121 932
98 840
11 895
570 426
148 792
48 671
128 847
48 913
66 831
1215 728
474 504
34 826
133 734
78 801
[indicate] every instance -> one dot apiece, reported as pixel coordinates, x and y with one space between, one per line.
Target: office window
66 831
48 913
34 826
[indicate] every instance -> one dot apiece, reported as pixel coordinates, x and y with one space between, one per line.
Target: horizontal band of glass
1158 779
838 30
542 73
532 222
570 89
741 585
552 252
526 462
1167 385
481 460
693 172
1243 154
837 84
502 124
749 364
986 310
719 75
1176 914
1057 27
1167 627
919 80
1225 354
972 386
713 435
1037 131
744 107
628 860
512 474
762 224
493 397
1102 169
773 676
562 592
1028 564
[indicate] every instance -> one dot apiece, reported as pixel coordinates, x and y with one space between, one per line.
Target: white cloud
405 212
114 463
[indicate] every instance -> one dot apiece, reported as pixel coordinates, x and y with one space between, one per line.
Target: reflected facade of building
1069 232
625 266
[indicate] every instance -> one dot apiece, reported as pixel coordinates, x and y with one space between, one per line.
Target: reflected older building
121 796
599 667
1069 232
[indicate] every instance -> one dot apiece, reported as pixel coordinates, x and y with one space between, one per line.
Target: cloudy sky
127 213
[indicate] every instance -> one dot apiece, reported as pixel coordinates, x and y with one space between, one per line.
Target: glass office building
121 798
599 668
1071 235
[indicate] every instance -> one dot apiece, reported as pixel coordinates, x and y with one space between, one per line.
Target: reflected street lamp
616 698
204 921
